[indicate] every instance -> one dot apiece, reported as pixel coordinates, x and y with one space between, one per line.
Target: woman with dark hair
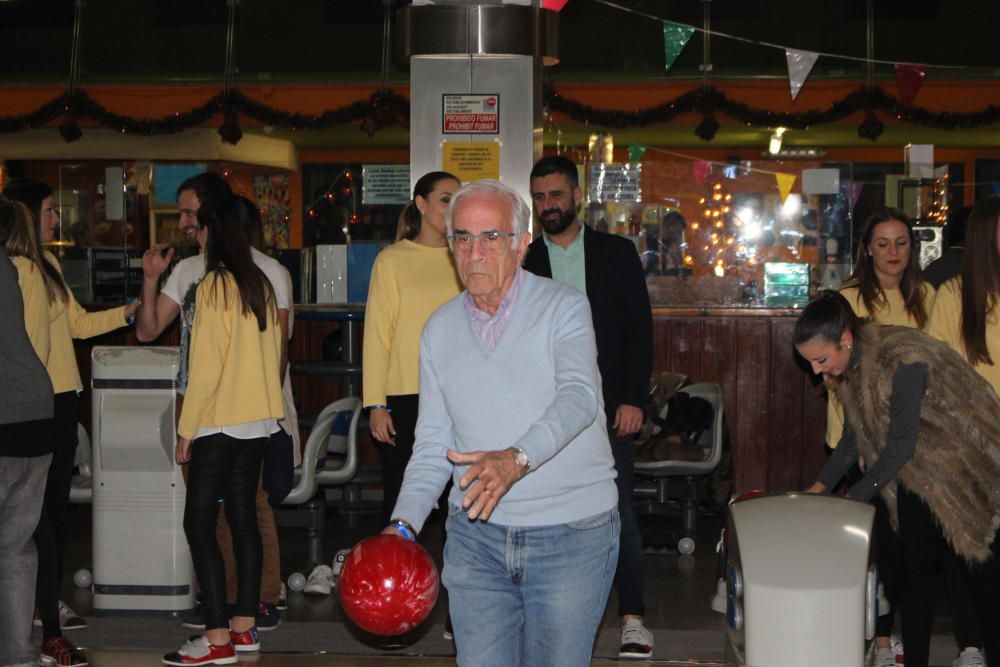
928 451
67 320
231 408
410 280
886 288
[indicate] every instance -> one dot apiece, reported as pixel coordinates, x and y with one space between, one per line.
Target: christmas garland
386 107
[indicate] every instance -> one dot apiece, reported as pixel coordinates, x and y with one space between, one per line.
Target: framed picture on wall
163 227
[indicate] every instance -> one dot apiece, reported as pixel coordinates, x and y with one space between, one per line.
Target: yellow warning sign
471 160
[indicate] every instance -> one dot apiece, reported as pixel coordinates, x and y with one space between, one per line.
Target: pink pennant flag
909 78
700 169
800 63
853 190
554 5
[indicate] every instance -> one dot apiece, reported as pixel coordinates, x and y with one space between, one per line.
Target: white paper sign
385 184
470 114
820 181
615 182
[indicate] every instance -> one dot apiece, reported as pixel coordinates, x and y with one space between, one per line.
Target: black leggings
923 545
224 469
50 535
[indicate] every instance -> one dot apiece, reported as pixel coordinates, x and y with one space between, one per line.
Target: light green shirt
567 263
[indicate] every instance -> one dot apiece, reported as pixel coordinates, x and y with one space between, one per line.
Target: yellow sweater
894 313
233 364
36 306
68 320
946 325
409 282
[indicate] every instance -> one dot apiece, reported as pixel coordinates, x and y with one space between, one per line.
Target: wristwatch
521 459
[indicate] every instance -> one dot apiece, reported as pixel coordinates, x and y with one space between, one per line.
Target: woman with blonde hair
67 320
410 280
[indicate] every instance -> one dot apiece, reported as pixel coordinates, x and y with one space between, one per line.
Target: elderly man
511 408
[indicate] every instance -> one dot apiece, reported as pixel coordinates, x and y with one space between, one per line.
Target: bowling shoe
320 581
60 651
199 651
636 642
970 657
268 617
245 642
68 620
282 598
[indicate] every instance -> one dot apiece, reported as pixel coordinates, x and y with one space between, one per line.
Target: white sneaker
637 641
970 657
884 657
68 620
320 581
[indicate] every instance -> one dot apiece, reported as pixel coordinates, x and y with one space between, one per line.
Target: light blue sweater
539 390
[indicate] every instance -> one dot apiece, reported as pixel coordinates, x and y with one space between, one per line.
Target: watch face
521 459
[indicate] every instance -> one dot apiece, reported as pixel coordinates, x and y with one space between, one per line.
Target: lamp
774 146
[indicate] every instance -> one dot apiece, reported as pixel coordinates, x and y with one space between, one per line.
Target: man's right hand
156 260
380 424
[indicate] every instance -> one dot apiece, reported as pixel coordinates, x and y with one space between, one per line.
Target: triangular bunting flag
852 190
635 152
909 78
800 63
785 183
675 38
554 5
700 169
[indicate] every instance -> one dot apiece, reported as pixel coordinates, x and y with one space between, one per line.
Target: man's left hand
490 476
628 419
182 451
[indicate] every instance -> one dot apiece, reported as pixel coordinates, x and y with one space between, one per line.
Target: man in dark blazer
607 269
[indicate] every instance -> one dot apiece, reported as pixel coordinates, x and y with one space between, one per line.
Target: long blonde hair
18 227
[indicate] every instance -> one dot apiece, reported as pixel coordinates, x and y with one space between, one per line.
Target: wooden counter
775 408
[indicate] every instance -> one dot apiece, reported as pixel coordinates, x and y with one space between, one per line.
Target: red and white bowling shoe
199 651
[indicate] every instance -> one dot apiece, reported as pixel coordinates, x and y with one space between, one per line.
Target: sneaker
897 649
970 657
637 640
338 561
884 657
449 631
199 651
268 617
320 581
245 642
195 619
282 598
68 620
60 651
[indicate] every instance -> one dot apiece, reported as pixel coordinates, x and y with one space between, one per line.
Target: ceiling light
774 146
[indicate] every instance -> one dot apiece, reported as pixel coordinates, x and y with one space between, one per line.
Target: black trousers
889 558
393 459
628 576
224 469
923 545
50 535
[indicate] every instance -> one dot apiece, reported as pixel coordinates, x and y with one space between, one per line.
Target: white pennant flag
800 63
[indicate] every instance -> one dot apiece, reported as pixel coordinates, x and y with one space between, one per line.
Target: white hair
519 211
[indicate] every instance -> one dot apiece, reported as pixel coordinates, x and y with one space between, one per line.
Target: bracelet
404 528
379 407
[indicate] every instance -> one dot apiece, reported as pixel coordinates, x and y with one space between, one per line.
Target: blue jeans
22 487
528 596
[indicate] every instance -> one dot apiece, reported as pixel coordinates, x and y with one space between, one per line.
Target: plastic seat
305 505
82 487
660 482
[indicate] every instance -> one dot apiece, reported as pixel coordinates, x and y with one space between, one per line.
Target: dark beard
560 224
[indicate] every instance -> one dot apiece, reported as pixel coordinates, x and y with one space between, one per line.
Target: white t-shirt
182 284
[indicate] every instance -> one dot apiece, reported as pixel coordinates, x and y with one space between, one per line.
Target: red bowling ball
388 585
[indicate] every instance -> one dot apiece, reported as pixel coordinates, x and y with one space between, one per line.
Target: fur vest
955 468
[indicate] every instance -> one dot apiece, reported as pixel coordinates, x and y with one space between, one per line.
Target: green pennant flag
635 152
675 38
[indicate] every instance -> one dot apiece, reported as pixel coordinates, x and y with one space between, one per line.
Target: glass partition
706 231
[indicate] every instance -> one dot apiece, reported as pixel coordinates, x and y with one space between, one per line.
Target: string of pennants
909 76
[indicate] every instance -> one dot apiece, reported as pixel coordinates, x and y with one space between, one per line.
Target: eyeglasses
488 241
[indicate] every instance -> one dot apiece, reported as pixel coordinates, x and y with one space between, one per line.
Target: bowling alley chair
330 458
659 484
82 487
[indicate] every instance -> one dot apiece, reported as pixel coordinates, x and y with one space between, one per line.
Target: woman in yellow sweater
410 280
231 408
67 320
886 288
